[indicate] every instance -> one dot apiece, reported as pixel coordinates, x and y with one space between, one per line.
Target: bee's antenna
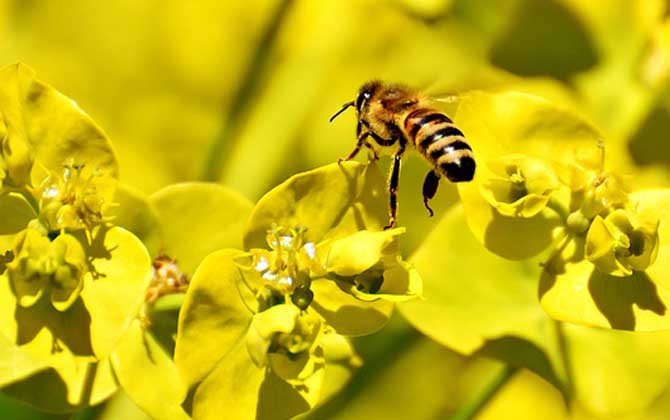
344 107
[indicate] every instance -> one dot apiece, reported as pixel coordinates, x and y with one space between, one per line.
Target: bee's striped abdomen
438 139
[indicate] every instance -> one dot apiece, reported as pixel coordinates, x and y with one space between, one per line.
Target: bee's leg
359 144
382 141
393 187
430 188
375 156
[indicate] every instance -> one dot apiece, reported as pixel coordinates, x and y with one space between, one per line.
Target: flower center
75 198
286 265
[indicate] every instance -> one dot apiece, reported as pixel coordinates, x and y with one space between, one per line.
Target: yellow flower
622 242
290 261
285 338
43 266
75 198
518 185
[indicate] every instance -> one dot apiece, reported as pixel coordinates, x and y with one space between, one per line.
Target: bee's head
366 92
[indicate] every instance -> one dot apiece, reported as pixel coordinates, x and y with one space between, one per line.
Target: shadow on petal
522 353
278 400
615 296
518 239
71 328
40 390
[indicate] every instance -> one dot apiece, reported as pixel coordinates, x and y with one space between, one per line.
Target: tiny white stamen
262 264
286 241
50 192
270 276
310 249
286 280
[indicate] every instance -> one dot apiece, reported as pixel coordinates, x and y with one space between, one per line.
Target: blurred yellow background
241 93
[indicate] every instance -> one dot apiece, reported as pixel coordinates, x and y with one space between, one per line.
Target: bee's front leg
361 141
375 155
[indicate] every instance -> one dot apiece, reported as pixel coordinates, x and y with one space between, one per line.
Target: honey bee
395 116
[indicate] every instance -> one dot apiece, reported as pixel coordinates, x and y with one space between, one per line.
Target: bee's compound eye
359 101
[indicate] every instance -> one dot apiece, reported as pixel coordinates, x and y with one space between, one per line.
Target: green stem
558 207
470 410
87 388
241 100
565 358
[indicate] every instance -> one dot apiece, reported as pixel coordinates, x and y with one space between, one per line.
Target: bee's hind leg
430 185
393 187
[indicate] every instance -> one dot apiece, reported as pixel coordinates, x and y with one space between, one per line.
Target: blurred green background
241 93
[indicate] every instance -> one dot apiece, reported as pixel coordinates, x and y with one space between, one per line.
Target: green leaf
157 390
516 123
331 201
347 314
70 384
15 364
197 219
114 299
243 391
639 302
341 363
478 303
52 124
476 299
213 318
134 212
15 213
617 373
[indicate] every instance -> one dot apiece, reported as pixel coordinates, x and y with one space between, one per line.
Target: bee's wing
447 99
448 102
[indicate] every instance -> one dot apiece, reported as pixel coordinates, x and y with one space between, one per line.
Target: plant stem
559 208
470 410
239 105
87 386
567 364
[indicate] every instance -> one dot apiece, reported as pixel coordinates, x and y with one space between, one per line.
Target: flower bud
302 297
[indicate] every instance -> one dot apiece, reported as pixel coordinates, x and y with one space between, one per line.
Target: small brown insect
395 116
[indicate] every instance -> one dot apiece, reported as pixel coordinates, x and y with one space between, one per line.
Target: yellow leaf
157 390
197 219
